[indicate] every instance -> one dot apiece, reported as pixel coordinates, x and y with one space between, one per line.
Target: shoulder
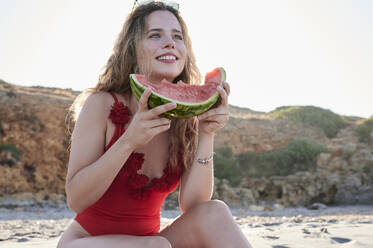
100 102
96 105
101 98
104 98
102 105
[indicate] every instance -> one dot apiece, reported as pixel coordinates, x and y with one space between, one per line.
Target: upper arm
183 182
88 137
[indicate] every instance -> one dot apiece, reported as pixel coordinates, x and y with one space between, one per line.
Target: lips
167 57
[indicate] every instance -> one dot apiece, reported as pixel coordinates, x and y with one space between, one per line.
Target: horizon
287 53
230 104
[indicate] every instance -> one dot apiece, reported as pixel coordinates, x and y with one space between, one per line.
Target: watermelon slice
191 100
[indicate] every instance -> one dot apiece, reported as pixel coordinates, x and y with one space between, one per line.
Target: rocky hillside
33 139
34 143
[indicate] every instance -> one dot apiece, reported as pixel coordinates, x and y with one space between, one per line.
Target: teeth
167 57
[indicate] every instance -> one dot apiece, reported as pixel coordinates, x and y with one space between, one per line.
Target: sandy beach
338 226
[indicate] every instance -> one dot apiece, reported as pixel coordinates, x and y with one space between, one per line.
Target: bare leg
209 224
76 237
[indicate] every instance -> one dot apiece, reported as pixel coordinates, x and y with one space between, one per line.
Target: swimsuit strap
119 116
115 97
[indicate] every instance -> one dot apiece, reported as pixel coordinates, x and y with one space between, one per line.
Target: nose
169 43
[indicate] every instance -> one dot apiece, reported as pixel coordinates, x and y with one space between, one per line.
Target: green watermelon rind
183 109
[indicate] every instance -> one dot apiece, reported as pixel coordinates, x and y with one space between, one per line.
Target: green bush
328 121
364 130
12 148
351 119
225 165
299 155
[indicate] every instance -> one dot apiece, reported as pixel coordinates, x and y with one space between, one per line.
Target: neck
134 104
158 80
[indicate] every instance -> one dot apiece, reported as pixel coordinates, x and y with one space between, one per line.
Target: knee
159 242
214 211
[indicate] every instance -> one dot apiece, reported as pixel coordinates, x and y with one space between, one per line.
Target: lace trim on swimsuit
138 183
119 114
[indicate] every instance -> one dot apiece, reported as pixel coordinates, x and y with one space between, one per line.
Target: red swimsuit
129 205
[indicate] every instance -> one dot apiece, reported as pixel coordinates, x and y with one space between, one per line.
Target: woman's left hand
216 118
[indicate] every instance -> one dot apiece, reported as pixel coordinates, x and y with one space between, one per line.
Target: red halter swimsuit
130 205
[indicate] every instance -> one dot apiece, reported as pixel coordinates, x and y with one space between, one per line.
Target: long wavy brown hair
115 78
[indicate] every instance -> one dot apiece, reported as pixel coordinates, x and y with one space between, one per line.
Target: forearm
90 183
200 184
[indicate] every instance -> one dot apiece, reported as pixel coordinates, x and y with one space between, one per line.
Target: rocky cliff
33 139
34 152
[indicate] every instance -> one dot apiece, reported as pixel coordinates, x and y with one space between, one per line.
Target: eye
178 37
154 35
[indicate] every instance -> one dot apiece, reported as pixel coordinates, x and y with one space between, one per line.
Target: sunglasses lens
144 2
173 5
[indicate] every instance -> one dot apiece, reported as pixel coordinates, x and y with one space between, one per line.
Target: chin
169 75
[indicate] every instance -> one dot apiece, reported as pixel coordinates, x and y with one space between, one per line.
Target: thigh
76 237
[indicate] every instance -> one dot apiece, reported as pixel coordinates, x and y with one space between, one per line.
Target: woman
125 159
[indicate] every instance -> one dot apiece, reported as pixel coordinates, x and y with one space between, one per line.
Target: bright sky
275 52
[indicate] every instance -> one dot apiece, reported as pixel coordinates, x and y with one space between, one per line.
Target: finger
223 95
227 87
157 130
217 125
154 112
158 122
223 118
213 126
219 118
143 102
215 111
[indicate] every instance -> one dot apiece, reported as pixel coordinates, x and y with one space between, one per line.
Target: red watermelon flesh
183 92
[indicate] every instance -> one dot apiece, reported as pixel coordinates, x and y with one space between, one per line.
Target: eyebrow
160 29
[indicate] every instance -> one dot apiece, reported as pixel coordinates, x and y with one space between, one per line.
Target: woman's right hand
147 123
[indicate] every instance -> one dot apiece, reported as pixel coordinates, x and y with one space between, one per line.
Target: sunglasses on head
171 4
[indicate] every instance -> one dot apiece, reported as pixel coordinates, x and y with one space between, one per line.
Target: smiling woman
125 158
162 30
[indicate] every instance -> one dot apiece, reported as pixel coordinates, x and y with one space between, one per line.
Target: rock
349 147
170 205
317 206
228 194
278 206
337 164
353 181
323 159
246 196
172 201
256 208
19 209
268 208
362 158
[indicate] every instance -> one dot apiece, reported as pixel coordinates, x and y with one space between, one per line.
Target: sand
338 226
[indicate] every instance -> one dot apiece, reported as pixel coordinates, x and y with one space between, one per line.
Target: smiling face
162 52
